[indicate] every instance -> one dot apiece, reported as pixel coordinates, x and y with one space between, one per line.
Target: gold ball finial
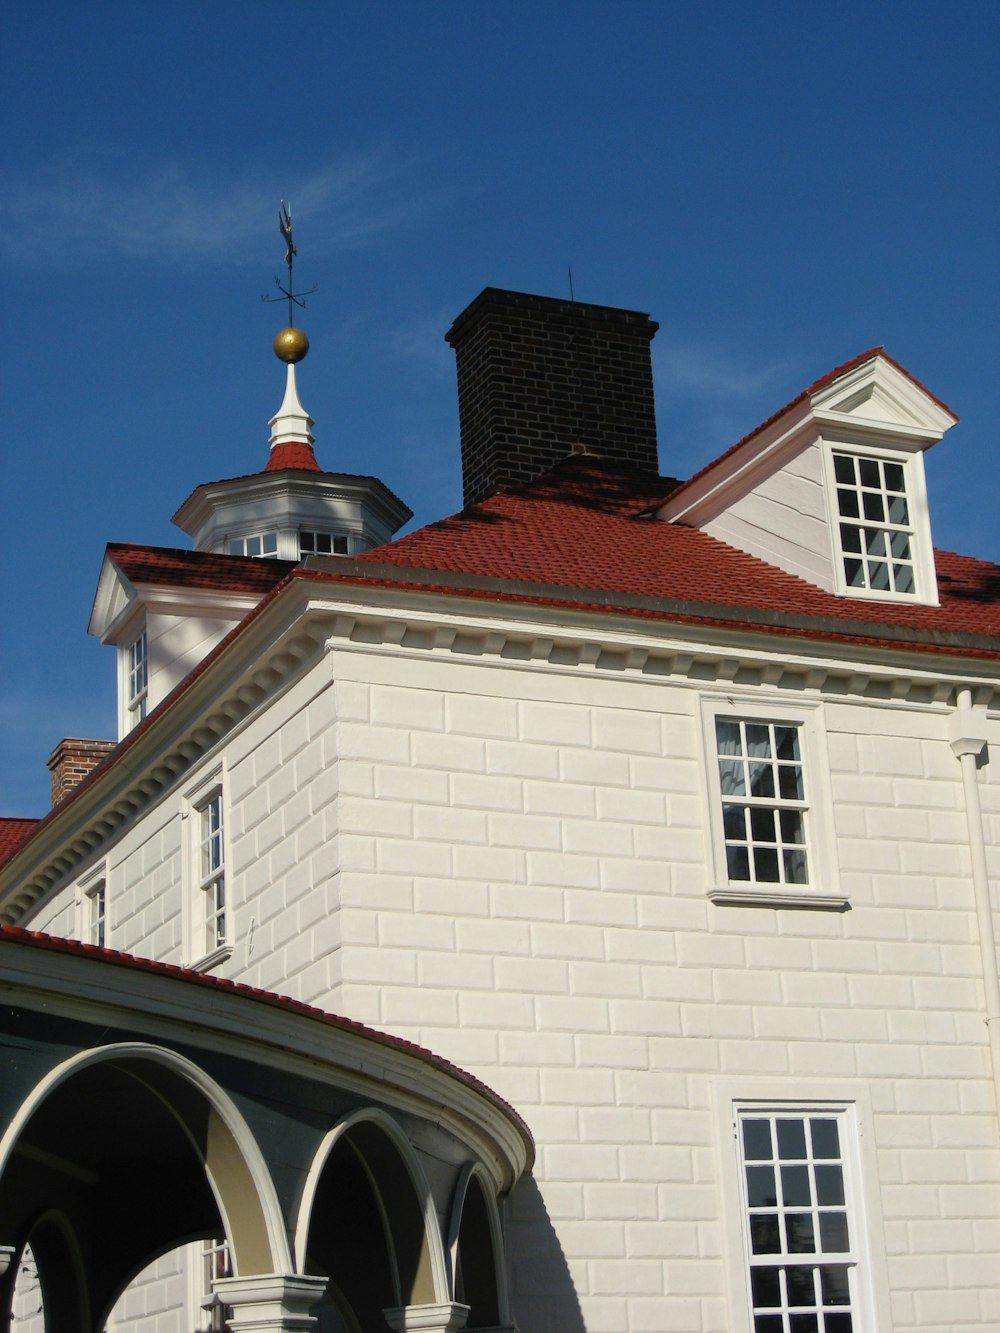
290 345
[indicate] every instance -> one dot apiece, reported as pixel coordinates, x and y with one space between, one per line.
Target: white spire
292 424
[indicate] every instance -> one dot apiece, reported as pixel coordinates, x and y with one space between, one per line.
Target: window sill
213 959
759 895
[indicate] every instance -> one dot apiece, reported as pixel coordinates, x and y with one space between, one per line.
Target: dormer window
321 543
259 545
881 535
876 536
137 686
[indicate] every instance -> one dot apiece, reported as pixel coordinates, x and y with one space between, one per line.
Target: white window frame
248 539
316 533
823 888
849 1103
918 525
204 873
93 888
133 692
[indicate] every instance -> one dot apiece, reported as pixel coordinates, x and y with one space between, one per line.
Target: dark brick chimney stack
72 760
540 378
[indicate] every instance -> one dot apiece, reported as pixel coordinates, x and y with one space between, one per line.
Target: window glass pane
868 472
898 512
727 734
761 780
874 507
765 1237
878 576
738 863
765 864
799 1232
792 829
786 742
835 1285
843 467
768 1323
847 503
762 825
790 782
791 1140
833 1233
803 1323
903 577
838 1323
854 574
758 741
731 777
270 543
899 545
756 1139
235 546
825 1139
874 541
795 1187
829 1184
766 1287
850 537
801 1285
796 870
734 821
893 477
761 1191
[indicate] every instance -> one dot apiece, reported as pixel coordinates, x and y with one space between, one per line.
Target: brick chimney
71 761
540 378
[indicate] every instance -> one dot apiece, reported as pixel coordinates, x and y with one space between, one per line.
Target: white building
664 809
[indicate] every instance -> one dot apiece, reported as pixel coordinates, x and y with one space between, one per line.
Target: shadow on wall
542 1291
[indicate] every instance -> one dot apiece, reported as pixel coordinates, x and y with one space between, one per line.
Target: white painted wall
508 864
784 520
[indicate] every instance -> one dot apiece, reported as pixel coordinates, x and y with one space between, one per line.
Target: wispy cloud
710 395
182 209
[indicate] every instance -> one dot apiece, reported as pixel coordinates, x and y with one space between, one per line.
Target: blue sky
780 185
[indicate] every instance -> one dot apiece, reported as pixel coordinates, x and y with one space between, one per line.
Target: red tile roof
197 569
586 525
12 833
55 944
297 456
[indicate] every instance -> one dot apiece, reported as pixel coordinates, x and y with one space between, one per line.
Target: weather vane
289 293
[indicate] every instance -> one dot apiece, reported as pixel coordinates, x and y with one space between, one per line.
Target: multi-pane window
800 1235
763 801
212 873
96 914
876 531
138 679
321 543
262 545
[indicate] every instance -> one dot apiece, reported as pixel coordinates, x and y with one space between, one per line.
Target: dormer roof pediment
871 397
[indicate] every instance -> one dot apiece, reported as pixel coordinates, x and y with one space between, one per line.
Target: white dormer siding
776 495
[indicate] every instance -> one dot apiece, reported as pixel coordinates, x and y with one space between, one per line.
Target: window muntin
321 543
212 873
800 1237
137 688
259 545
875 526
764 809
96 913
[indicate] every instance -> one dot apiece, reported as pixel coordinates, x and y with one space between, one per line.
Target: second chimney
540 378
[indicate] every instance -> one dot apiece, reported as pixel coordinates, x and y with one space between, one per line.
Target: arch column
270 1302
448 1317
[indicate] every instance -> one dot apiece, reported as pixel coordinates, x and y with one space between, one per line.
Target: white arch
496 1232
218 1100
432 1232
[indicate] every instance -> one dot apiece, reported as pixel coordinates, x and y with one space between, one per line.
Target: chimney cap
549 307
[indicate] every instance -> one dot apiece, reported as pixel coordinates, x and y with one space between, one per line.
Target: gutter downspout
968 741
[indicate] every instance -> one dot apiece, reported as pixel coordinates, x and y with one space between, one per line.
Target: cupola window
260 545
321 543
